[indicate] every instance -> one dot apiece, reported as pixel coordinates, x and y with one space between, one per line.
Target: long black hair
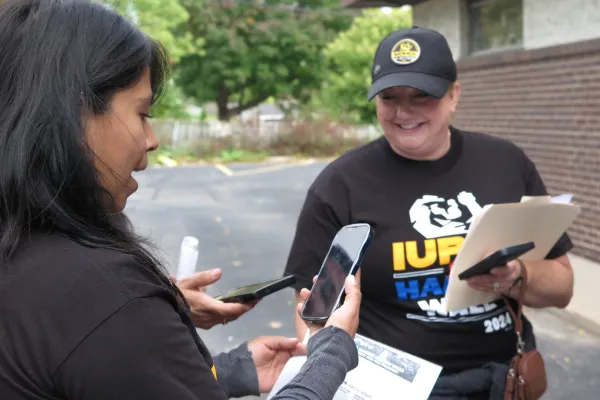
59 61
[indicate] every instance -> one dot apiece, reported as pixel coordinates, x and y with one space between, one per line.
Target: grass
229 156
298 140
169 158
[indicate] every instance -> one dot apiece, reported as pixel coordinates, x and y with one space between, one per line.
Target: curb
576 319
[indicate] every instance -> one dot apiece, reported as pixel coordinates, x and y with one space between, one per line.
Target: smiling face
415 123
121 140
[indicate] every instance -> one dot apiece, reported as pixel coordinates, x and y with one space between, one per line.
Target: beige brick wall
552 22
445 17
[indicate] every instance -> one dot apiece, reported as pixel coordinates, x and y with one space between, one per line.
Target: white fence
176 132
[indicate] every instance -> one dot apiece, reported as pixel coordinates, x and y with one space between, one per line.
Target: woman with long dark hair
86 310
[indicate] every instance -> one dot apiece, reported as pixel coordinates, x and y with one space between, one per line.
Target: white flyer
382 373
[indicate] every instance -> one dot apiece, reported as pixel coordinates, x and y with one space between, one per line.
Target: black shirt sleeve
317 225
142 351
237 372
535 187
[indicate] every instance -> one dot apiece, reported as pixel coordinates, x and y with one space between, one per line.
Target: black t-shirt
421 212
83 323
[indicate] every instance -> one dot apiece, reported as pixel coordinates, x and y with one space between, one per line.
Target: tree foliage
160 19
254 50
349 62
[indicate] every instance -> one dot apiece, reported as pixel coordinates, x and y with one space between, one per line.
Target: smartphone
256 291
343 259
498 259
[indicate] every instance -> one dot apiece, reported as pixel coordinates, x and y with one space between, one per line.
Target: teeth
409 126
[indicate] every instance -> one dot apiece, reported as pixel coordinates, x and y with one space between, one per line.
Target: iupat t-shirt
421 212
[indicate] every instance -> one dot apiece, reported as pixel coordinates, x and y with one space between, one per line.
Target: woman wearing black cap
419 186
87 312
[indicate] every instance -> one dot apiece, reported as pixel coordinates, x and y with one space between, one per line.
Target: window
495 25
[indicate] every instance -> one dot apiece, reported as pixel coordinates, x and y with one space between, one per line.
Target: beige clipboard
501 225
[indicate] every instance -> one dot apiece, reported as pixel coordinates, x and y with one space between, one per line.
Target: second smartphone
343 259
498 259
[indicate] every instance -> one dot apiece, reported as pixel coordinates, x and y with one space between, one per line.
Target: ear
454 96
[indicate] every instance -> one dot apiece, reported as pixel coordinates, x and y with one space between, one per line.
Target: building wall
552 22
545 22
548 102
545 98
445 17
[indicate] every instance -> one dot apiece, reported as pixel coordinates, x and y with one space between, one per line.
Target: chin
408 142
121 207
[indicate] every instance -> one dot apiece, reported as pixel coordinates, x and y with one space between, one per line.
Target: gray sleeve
237 372
331 354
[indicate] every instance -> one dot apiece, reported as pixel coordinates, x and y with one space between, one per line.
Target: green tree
161 20
349 61
257 49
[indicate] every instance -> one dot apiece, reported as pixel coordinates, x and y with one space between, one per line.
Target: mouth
139 169
410 127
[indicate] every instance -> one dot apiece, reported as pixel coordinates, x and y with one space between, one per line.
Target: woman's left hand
205 311
499 280
270 354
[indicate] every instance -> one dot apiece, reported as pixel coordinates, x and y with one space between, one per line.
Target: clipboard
535 219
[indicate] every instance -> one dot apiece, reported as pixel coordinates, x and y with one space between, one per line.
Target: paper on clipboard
539 219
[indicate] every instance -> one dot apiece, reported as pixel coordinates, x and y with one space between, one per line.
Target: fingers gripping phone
343 259
498 259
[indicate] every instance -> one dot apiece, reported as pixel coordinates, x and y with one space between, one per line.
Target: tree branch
252 103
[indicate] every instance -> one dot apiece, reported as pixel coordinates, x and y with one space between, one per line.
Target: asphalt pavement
245 217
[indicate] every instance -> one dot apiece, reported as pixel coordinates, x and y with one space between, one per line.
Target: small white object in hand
188 257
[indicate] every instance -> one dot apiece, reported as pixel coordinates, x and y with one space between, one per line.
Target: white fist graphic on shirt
435 217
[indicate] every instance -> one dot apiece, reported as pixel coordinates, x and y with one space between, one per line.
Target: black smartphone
343 259
256 291
498 259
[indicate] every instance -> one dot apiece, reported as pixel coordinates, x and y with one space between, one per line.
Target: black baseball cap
416 57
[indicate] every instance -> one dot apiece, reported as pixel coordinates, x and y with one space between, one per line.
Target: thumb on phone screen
346 316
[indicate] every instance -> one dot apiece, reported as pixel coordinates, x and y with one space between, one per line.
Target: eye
146 116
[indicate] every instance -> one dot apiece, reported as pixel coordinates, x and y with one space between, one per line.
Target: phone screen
342 256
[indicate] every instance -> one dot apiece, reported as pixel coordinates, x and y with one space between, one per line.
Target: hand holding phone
497 259
342 260
205 311
346 316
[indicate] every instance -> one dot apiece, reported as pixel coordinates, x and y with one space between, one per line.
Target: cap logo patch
406 51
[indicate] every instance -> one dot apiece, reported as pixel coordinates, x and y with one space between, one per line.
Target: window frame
472 4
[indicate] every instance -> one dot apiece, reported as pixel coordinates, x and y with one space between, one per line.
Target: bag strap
517 317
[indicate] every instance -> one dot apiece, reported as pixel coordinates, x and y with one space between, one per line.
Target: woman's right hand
346 316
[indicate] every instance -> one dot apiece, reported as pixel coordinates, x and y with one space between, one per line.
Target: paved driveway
245 224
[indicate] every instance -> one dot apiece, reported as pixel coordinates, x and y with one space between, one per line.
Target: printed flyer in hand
381 372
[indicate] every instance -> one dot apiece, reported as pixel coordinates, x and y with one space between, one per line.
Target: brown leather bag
526 379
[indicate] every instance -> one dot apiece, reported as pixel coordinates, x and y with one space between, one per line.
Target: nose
402 108
152 142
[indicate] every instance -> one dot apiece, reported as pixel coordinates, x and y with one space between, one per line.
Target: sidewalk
583 309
